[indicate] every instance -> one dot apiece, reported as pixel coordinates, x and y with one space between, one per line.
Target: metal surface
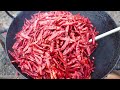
107 53
100 36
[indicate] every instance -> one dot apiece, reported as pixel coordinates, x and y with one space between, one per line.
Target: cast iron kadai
107 54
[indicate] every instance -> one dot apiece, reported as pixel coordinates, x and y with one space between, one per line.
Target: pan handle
10 15
2 39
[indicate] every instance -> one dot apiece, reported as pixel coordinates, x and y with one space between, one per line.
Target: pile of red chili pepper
55 45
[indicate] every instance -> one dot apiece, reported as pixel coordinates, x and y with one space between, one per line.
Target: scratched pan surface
107 53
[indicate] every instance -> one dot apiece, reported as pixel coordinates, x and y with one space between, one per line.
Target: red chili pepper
55 45
70 49
65 44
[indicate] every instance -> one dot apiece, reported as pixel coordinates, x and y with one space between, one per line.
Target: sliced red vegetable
55 45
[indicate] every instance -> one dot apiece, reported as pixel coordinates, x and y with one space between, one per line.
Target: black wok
107 53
